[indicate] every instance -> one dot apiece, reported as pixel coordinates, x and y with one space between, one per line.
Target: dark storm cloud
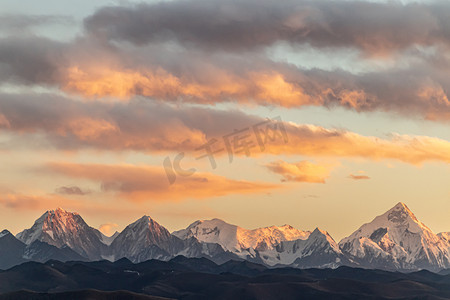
375 28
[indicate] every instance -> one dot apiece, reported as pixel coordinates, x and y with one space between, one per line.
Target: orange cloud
268 87
139 183
35 202
100 81
87 128
149 127
303 171
318 141
358 177
108 229
90 68
4 122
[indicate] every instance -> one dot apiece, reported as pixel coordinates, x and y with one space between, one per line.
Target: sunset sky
99 98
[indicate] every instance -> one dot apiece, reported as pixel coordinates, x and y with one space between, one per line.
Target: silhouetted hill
200 278
78 295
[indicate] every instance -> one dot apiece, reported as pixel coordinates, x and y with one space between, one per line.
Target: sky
258 112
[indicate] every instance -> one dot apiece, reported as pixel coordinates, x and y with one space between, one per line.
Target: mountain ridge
395 240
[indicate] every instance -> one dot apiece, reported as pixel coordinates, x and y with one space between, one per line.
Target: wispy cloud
303 171
23 23
108 229
71 190
358 177
149 183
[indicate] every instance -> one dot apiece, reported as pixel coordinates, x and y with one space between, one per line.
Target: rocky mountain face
14 252
395 240
11 250
144 238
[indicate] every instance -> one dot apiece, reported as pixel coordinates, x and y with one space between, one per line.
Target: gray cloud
30 60
187 76
375 28
71 190
21 23
137 125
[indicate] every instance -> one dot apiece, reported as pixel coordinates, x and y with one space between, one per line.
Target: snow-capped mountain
144 239
319 250
397 240
61 228
238 240
273 245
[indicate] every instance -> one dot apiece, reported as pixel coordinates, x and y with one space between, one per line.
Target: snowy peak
59 228
401 214
212 231
140 236
149 228
51 225
323 238
318 250
322 234
268 237
397 240
237 239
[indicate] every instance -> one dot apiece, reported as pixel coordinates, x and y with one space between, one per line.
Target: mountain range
395 240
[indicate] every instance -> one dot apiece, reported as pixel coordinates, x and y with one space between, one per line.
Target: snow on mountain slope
319 250
212 231
238 240
397 240
59 227
269 237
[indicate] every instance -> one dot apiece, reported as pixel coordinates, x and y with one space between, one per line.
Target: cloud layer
99 64
149 183
158 128
374 28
